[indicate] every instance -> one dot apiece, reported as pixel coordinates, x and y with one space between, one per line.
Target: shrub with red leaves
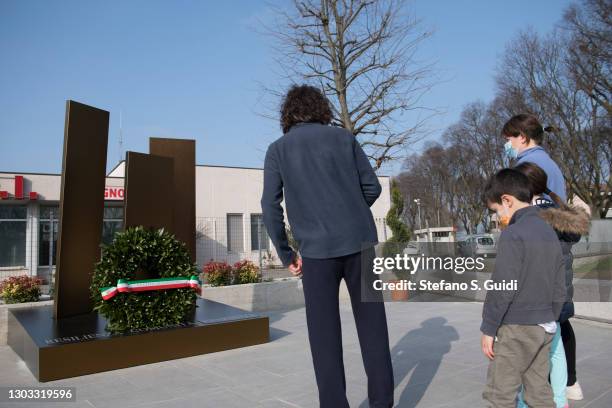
246 272
218 273
20 289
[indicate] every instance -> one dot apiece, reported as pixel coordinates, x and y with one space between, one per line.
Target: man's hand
296 267
486 343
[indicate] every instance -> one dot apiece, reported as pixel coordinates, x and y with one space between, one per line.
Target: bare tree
448 182
427 177
469 182
475 153
564 79
361 53
589 26
537 69
478 129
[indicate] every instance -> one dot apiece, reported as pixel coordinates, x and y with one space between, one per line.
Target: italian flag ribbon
124 285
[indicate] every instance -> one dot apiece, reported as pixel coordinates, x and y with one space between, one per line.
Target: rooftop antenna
120 135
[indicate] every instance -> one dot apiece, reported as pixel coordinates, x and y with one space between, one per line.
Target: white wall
223 190
219 191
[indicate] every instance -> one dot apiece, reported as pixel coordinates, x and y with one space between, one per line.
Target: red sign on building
33 195
113 193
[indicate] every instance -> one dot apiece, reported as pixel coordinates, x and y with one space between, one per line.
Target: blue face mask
510 151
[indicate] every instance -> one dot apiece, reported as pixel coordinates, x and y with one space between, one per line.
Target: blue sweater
328 185
539 156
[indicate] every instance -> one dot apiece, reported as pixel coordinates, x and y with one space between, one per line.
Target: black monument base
69 347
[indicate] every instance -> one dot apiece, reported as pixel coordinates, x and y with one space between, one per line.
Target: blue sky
194 69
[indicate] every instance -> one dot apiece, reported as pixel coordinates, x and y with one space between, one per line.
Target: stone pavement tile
467 354
595 388
286 362
142 395
284 388
100 386
353 364
439 391
476 374
243 354
304 400
423 371
28 404
209 360
435 347
277 403
603 401
218 398
162 376
14 370
237 374
168 377
14 374
8 356
356 391
599 365
593 335
471 399
292 320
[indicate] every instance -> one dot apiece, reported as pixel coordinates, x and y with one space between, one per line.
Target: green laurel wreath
160 254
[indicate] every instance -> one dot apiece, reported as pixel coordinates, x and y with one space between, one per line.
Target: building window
49 224
48 227
259 235
13 224
113 223
235 237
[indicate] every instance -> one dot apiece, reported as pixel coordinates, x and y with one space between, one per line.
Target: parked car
478 245
412 248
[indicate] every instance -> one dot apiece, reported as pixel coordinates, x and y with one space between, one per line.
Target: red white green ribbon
124 285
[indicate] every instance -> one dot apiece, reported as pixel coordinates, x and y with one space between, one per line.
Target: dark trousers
321 281
569 344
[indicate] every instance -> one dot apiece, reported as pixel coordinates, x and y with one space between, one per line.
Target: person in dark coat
570 223
328 186
524 136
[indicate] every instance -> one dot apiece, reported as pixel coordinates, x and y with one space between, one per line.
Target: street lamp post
418 203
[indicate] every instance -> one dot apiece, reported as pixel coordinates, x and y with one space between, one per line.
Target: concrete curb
265 296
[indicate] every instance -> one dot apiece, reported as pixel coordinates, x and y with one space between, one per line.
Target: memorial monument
70 338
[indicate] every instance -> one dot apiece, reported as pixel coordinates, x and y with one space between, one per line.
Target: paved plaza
435 349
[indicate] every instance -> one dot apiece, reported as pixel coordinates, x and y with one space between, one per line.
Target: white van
478 245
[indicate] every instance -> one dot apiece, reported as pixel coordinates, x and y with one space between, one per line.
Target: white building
228 216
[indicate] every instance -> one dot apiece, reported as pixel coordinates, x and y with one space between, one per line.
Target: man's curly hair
304 103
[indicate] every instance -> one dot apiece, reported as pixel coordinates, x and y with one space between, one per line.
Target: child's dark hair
526 124
507 181
538 180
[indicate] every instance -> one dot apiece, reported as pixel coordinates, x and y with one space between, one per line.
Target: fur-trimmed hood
573 220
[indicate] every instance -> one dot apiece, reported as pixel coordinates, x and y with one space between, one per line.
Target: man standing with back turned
329 186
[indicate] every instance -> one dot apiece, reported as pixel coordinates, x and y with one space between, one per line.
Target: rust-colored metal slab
80 345
149 189
183 153
81 207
